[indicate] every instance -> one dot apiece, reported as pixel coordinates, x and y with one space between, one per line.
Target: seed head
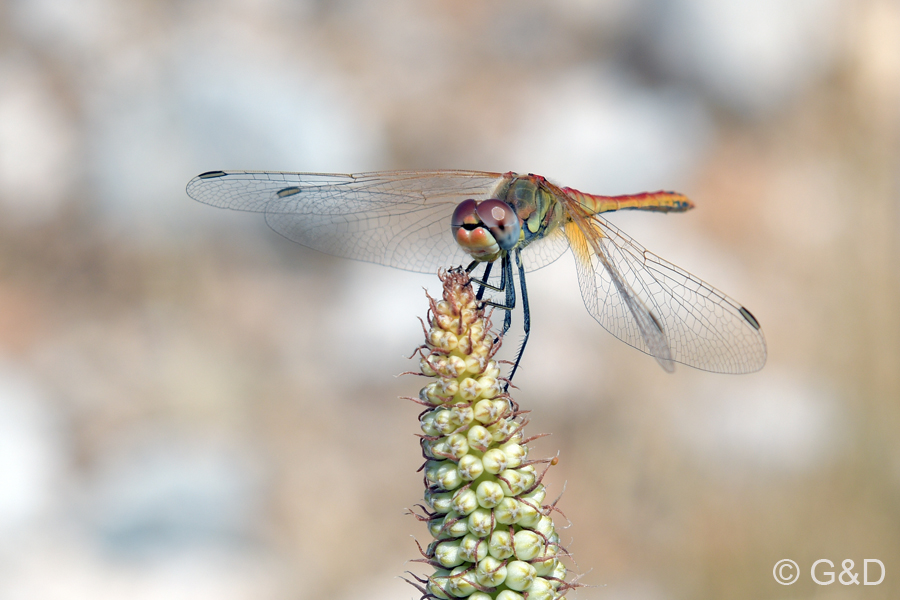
495 540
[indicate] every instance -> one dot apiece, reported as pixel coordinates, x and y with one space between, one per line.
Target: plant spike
494 538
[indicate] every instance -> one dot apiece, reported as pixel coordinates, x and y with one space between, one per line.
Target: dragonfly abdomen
660 201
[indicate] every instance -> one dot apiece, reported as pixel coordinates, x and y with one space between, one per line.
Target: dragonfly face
524 210
485 229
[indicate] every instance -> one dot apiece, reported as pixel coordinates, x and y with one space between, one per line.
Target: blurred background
193 407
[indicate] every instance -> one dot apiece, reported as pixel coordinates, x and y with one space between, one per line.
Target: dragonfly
424 221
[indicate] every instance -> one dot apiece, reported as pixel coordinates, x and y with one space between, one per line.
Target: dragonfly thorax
485 229
538 209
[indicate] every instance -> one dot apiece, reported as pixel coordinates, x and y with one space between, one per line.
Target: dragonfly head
485 229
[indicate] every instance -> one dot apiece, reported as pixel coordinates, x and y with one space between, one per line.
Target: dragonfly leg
527 318
482 283
506 278
507 285
484 277
510 293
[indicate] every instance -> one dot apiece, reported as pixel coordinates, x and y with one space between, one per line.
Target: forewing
397 218
703 327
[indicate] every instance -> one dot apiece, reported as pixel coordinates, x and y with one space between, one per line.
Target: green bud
485 412
528 478
431 394
519 575
439 501
427 424
444 421
515 454
437 584
480 522
492 370
429 447
545 526
448 554
494 461
443 474
490 572
458 528
469 389
426 368
470 467
501 544
508 512
518 437
461 582
501 430
449 387
465 501
559 574
489 494
540 589
448 526
530 516
544 567
457 446
512 482
527 544
489 384
462 415
473 548
440 338
474 364
455 366
479 438
431 470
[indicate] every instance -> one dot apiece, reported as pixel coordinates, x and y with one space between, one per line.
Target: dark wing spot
211 174
750 318
288 191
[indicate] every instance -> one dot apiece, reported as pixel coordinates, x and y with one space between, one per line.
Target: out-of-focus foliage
190 406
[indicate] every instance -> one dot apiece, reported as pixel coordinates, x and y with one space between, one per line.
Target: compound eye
495 213
465 214
501 219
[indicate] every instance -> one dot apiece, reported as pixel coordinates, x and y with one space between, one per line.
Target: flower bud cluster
493 537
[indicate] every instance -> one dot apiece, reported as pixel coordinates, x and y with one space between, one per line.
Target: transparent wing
545 250
659 308
612 301
397 218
